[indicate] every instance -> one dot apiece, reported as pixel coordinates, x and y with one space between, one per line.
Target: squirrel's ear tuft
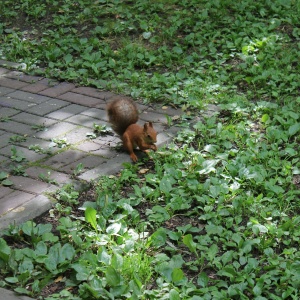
150 124
146 126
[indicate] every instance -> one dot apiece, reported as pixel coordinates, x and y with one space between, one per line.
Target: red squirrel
123 115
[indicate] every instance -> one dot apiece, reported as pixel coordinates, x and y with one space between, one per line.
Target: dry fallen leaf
58 279
143 171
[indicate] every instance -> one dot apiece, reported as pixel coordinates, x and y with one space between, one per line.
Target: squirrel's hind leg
129 147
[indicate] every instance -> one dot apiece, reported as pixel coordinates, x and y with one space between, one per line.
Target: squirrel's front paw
133 157
153 147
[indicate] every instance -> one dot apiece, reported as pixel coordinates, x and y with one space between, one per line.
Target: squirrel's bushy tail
122 112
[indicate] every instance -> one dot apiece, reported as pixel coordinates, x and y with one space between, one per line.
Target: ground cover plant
215 215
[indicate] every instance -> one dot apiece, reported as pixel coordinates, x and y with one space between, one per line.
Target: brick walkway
61 111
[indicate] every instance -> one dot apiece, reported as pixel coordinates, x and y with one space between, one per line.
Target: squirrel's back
122 112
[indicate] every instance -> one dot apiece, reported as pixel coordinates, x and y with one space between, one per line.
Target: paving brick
30 156
16 127
28 210
88 162
64 158
3 71
13 200
109 140
47 107
31 142
5 90
11 83
31 119
7 112
107 168
10 64
58 89
153 117
96 113
98 149
84 120
82 100
59 177
4 161
165 110
22 77
77 135
29 185
55 131
7 101
5 167
4 139
29 97
93 92
38 86
4 191
10 295
163 138
67 112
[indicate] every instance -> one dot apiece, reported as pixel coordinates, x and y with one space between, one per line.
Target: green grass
182 52
215 215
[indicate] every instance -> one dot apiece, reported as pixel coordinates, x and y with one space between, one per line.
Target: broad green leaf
82 272
165 270
68 58
5 250
212 252
213 229
29 228
174 295
188 241
90 216
113 228
165 185
227 257
6 182
3 175
103 256
236 237
21 290
42 229
258 229
265 118
54 258
158 238
67 251
287 225
50 237
294 129
288 292
203 279
257 290
176 261
117 261
147 35
11 279
26 266
41 248
209 166
113 277
227 272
